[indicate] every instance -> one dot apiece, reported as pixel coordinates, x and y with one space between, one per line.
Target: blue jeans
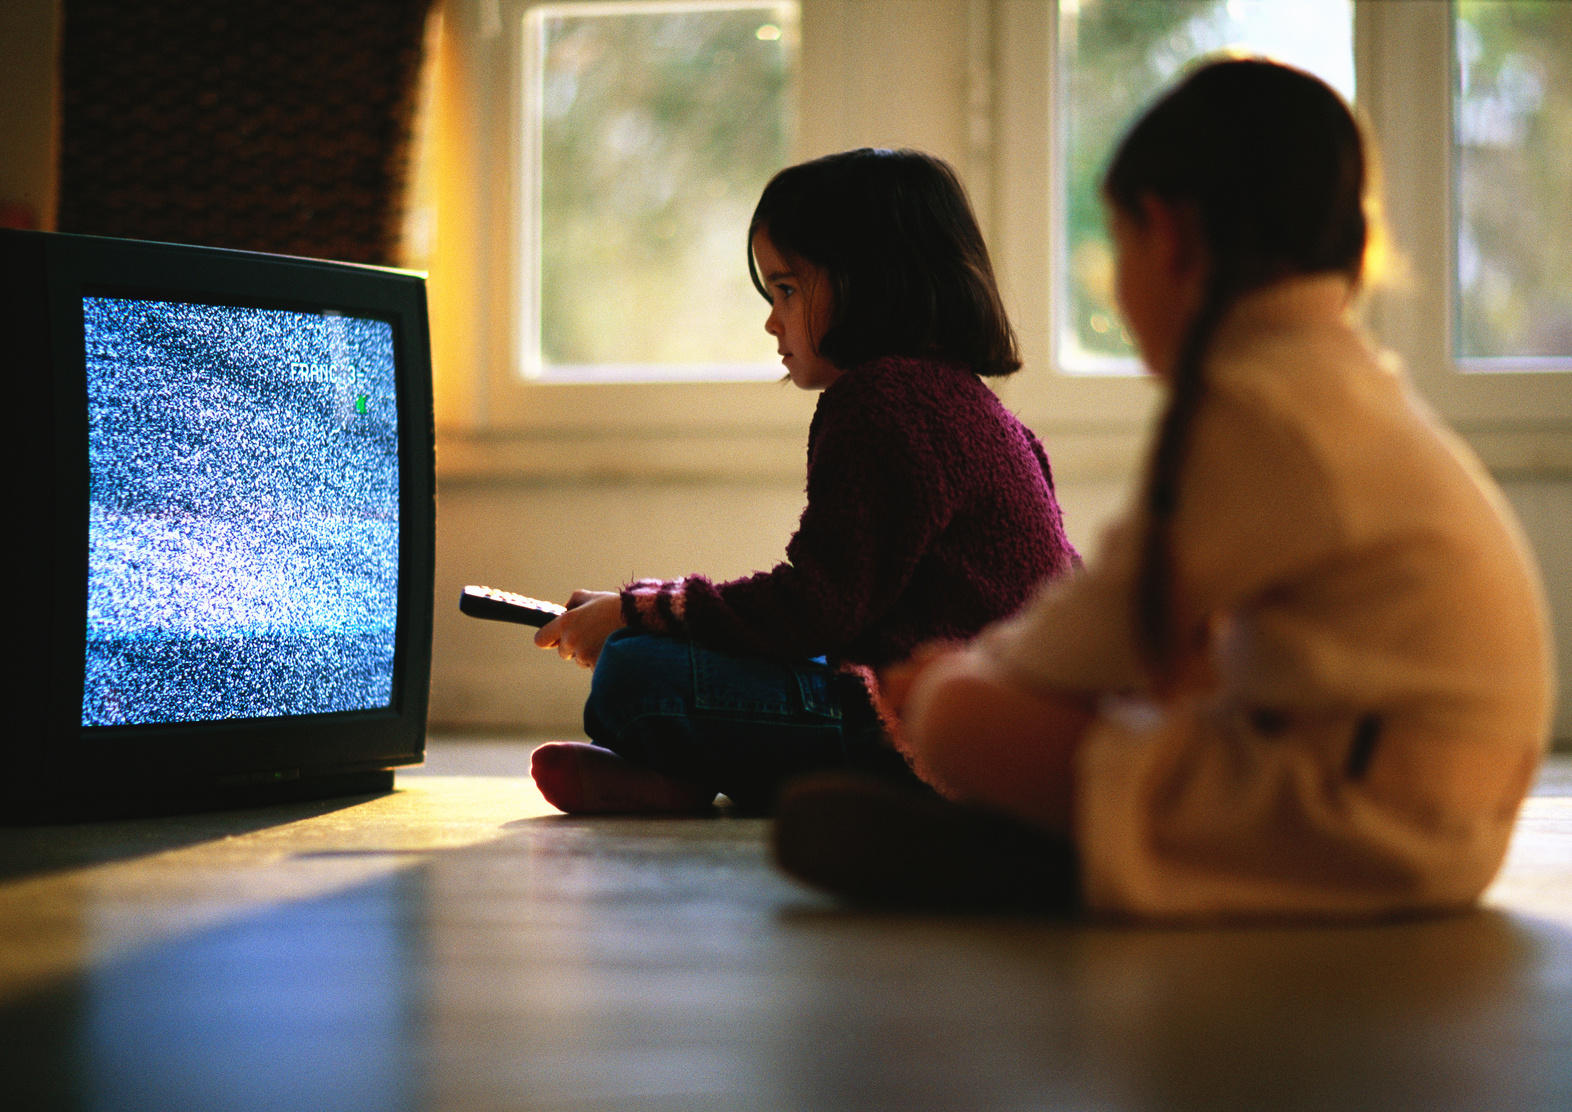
742 724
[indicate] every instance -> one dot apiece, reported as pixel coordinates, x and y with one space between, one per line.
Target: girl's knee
639 673
616 658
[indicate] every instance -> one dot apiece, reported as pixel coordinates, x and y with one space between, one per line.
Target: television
222 529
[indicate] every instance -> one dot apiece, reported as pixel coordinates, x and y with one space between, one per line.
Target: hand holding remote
578 635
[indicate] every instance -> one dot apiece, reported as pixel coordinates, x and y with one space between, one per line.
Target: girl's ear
1178 248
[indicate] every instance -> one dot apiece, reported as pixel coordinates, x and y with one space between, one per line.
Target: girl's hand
977 735
578 635
895 682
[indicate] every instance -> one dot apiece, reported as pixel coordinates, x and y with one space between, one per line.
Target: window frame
528 133
1517 415
495 423
492 421
640 410
1408 100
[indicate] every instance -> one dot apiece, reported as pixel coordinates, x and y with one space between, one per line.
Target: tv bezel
57 766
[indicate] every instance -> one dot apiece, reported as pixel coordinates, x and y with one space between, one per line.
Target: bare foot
585 779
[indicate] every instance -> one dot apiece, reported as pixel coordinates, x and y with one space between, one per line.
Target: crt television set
222 526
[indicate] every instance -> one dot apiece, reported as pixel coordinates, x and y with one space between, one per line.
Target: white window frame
1094 423
529 230
510 425
1519 413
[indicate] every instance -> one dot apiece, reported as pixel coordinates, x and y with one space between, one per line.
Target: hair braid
1187 389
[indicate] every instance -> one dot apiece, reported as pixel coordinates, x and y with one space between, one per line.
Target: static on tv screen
243 530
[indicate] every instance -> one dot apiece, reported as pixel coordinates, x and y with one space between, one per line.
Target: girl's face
1159 276
799 314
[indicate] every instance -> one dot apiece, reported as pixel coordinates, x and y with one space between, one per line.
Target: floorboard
457 945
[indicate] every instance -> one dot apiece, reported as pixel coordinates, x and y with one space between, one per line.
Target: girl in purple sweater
930 512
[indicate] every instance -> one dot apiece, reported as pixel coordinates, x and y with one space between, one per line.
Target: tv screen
236 502
243 519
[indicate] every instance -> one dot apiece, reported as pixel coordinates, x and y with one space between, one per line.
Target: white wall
548 539
551 538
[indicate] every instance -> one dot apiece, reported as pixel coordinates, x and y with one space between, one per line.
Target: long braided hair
1272 164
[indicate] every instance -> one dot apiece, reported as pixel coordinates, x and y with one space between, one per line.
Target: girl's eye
785 290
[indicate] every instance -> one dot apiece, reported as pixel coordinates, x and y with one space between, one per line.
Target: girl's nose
772 323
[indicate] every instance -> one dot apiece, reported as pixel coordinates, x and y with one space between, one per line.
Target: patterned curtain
282 126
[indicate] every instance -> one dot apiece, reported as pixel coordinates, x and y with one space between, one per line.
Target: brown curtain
280 126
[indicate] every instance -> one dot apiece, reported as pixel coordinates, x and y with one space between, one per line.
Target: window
1111 59
650 129
1025 98
1512 130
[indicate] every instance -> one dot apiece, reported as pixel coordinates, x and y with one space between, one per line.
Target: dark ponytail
1272 164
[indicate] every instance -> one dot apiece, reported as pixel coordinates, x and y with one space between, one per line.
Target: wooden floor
454 945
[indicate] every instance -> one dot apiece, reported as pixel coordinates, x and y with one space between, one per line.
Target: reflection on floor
456 945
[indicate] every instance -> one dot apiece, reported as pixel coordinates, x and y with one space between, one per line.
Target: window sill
776 456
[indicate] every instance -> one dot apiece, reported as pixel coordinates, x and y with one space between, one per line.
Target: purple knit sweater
930 513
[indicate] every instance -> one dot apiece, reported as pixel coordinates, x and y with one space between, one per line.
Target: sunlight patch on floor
63 919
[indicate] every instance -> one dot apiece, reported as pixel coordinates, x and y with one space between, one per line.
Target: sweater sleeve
876 498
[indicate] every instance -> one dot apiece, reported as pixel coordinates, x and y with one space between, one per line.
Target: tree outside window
1512 175
651 129
1113 57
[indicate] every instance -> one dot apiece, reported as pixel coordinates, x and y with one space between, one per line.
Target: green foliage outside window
1512 131
1113 57
657 131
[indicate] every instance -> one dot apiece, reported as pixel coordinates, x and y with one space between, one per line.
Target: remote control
505 606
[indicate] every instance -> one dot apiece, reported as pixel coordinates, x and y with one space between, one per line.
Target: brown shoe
872 842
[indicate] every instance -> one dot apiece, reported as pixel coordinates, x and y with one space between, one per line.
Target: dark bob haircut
908 270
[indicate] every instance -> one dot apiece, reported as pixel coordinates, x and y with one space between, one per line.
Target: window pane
1512 134
1113 57
653 128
